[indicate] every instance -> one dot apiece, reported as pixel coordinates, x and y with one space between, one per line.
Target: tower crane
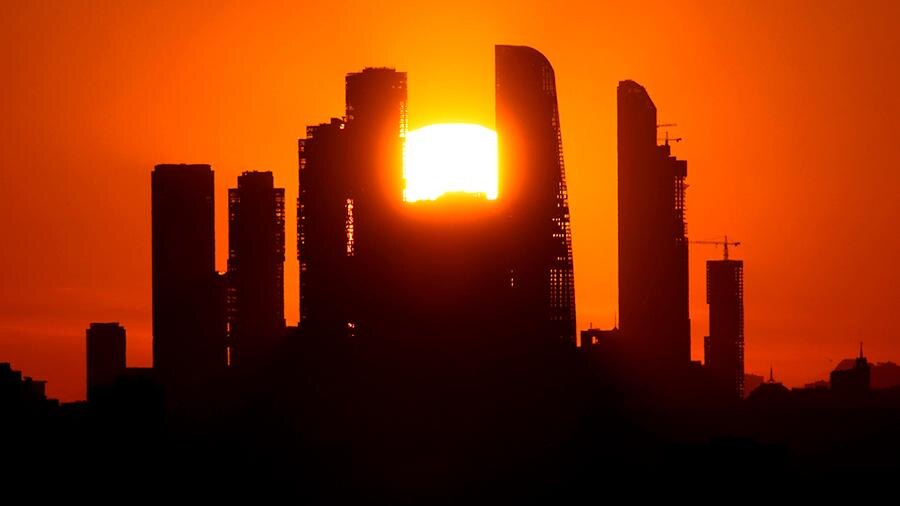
724 243
667 139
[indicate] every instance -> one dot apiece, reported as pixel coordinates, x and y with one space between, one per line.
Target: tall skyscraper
188 294
653 247
534 194
375 129
351 191
105 358
724 346
325 231
255 268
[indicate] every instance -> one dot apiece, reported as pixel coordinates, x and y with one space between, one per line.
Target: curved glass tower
533 190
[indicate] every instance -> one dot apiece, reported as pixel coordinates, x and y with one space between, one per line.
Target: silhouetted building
21 396
770 392
885 375
724 346
36 388
376 125
255 268
751 381
105 358
817 385
534 195
189 348
653 248
351 194
852 380
325 231
8 375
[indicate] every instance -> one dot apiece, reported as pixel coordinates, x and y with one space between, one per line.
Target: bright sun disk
450 157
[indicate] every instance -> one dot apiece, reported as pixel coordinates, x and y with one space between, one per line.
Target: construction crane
724 243
667 139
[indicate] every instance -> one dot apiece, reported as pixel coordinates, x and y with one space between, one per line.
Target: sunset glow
97 93
450 157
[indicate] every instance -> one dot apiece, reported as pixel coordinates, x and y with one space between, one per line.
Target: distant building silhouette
255 267
770 392
817 385
653 247
751 381
882 374
885 375
188 294
534 194
105 358
855 379
724 346
22 395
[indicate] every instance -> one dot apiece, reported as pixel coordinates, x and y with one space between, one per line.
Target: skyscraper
653 247
351 191
376 125
105 358
324 230
724 346
534 194
255 267
188 293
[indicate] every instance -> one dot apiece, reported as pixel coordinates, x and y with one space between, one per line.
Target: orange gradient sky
788 111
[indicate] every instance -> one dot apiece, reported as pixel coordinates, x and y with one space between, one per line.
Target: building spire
771 374
861 350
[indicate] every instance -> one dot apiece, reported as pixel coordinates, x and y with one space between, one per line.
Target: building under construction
534 194
653 246
724 346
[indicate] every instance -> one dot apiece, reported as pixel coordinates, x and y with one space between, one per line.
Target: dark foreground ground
395 424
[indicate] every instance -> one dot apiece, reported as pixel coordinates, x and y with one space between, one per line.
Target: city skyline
799 347
424 347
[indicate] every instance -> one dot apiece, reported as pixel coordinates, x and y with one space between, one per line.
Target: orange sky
789 112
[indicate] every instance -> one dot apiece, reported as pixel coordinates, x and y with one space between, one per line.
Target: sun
450 157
